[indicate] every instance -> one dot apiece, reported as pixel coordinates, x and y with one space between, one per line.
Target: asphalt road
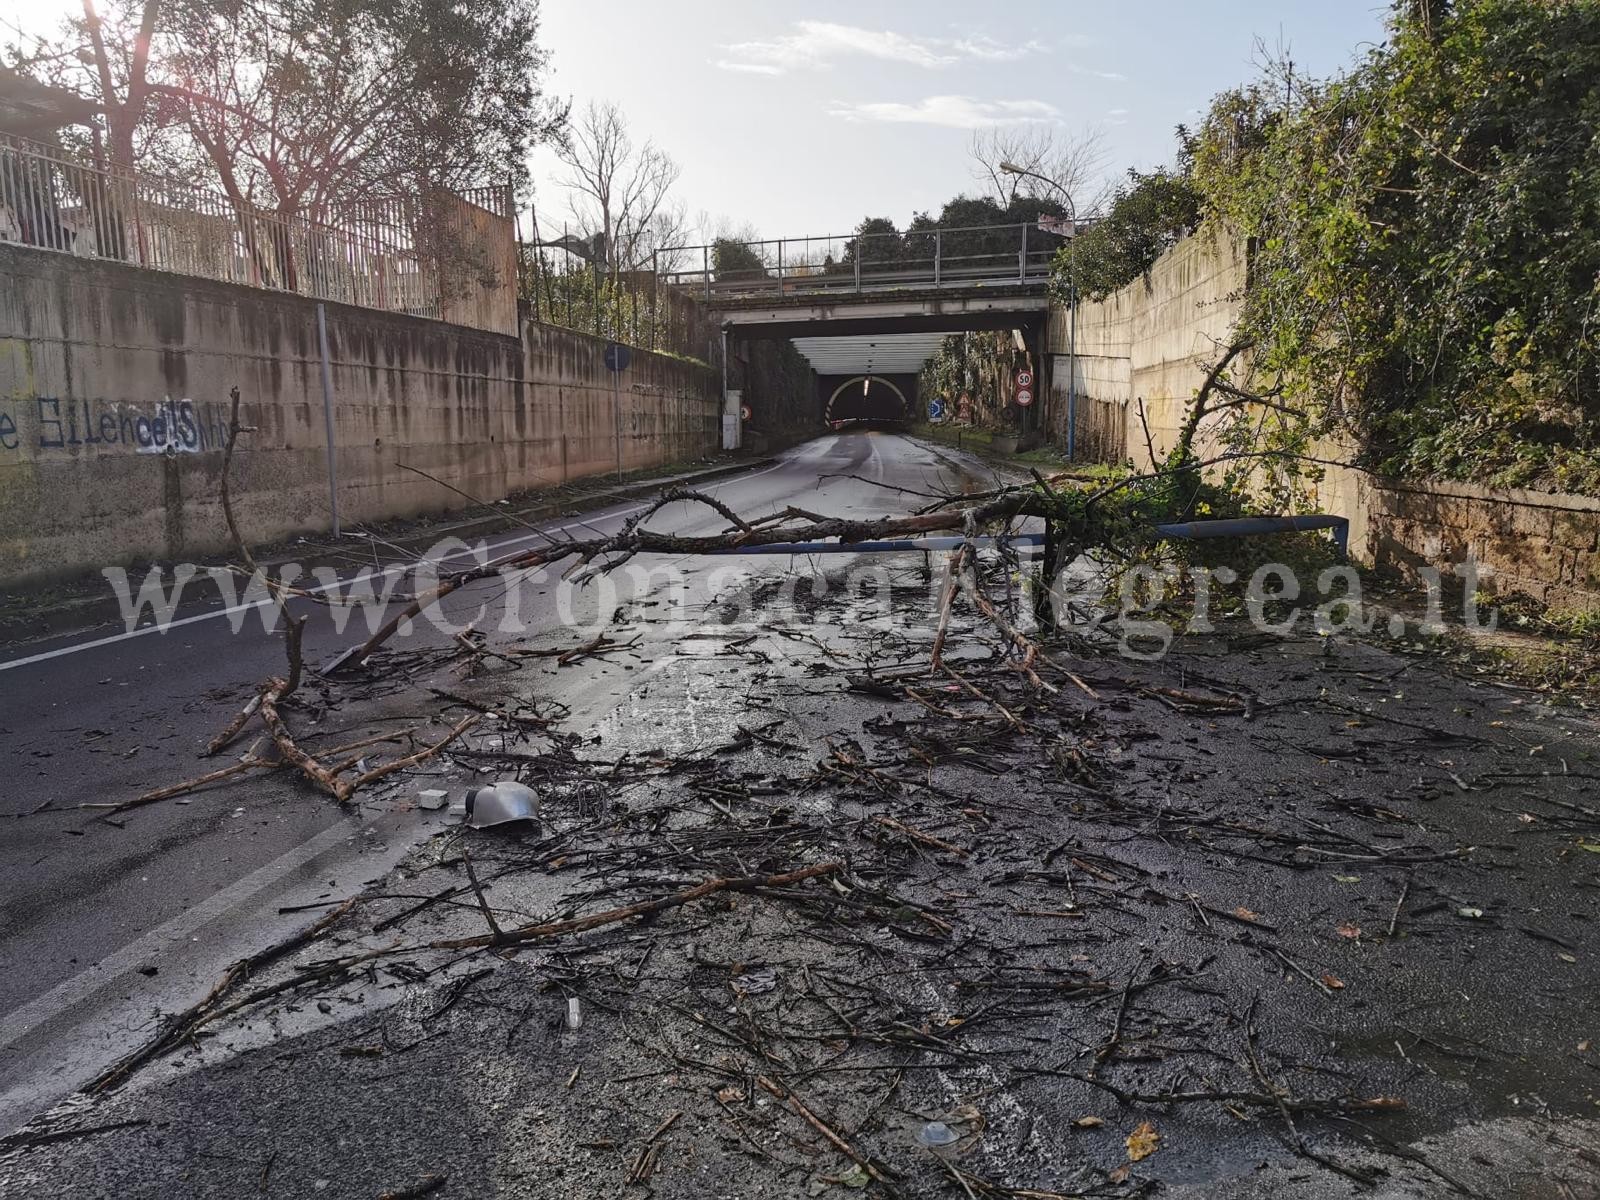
106 925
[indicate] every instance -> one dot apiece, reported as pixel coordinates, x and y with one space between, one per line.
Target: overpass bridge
863 308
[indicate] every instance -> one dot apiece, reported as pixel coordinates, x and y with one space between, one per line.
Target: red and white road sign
745 412
1025 379
1024 397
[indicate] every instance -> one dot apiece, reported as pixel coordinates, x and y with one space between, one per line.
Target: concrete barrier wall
1154 339
114 386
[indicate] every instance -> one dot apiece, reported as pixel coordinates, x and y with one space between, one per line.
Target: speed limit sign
745 412
1024 393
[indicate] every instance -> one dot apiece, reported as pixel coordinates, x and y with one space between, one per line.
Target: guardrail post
1022 258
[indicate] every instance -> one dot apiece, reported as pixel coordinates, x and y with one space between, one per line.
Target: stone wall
114 386
1539 544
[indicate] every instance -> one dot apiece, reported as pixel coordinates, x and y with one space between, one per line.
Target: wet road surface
105 925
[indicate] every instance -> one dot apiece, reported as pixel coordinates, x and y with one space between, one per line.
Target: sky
802 118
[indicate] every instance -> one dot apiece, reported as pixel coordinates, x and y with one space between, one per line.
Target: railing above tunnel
965 257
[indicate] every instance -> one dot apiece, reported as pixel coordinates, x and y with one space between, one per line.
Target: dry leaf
1583 1046
730 1094
1349 931
1332 981
1096 1122
1120 1175
1143 1142
1246 914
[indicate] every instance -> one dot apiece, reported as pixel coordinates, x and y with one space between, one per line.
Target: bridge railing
962 257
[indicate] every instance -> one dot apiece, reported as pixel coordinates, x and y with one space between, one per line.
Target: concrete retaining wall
1152 342
114 386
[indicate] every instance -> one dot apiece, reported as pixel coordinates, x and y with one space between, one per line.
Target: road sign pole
1072 351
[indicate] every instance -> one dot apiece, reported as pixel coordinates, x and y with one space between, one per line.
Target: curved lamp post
1072 288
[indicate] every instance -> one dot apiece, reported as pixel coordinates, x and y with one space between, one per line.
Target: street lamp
1009 168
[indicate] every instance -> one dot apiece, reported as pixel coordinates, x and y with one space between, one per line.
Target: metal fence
632 306
967 256
442 255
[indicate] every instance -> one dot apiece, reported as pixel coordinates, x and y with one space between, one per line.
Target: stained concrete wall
1152 341
114 386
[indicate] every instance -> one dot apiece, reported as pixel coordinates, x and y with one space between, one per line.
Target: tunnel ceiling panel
870 354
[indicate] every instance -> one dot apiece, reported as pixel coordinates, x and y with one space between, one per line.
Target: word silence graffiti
62 423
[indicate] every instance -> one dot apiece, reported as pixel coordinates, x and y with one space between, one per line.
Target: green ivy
1425 235
1146 218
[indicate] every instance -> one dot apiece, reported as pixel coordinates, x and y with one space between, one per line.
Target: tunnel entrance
867 398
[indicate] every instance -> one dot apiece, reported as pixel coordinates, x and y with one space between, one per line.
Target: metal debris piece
501 803
756 982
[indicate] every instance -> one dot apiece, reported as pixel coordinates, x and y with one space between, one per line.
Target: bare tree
122 74
1075 162
619 189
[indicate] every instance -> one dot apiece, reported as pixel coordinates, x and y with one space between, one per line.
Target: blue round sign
617 356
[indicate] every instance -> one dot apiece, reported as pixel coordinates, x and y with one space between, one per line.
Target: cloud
1116 112
986 49
952 112
1113 76
748 68
816 45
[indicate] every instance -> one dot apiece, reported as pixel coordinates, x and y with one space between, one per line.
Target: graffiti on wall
67 423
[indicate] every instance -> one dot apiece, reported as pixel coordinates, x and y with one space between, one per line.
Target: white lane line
400 568
22 1021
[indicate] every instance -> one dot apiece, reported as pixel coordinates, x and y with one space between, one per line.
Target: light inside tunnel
857 400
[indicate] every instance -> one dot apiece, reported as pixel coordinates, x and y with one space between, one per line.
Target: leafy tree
731 260
876 240
1147 216
305 106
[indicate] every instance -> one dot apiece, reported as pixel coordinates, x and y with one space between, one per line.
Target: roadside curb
980 450
89 611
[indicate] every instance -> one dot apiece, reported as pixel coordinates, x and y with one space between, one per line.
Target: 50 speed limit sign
1024 393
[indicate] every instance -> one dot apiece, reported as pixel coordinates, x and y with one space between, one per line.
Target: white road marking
401 568
22 1021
